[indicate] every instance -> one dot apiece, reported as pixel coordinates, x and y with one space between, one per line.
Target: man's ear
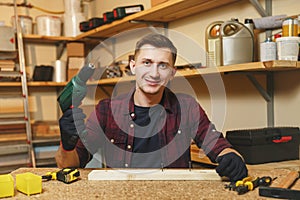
132 66
173 72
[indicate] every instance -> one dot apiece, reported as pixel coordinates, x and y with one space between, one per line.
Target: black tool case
266 144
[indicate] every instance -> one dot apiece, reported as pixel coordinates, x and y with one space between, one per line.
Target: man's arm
66 158
71 124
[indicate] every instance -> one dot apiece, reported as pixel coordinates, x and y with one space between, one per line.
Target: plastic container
29 183
25 23
60 71
237 43
213 44
6 186
48 25
71 24
288 48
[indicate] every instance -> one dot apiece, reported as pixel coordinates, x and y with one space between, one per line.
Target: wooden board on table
153 174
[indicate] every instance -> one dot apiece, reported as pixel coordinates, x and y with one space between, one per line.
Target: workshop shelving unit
161 15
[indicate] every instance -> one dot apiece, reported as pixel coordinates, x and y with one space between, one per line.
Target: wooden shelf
46 39
165 12
276 65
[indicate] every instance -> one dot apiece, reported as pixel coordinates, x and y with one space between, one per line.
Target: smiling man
148 127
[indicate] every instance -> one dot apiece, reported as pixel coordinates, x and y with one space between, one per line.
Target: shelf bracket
60 47
263 12
267 94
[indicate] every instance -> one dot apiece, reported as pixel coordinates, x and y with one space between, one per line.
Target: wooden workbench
85 189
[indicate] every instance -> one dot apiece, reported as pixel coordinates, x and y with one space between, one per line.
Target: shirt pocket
115 149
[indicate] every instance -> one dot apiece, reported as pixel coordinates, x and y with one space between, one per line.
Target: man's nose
154 70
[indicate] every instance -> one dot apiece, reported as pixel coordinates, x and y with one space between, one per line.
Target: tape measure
66 175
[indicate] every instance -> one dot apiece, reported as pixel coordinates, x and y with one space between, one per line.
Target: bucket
48 25
25 23
287 48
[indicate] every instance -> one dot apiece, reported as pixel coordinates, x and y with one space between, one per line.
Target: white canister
71 24
48 25
60 71
287 48
268 51
25 23
72 6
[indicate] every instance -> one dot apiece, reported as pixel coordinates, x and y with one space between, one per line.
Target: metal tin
290 27
268 51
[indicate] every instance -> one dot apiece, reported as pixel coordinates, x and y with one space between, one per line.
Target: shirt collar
168 101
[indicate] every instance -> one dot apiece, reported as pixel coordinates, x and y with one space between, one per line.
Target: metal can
290 27
268 51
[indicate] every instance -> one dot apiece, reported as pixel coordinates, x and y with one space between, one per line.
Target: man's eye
147 63
163 66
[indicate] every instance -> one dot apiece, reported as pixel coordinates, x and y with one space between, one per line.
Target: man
148 127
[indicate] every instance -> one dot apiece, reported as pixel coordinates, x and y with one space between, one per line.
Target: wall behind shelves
245 108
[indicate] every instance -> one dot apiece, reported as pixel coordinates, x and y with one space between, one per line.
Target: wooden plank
153 174
198 155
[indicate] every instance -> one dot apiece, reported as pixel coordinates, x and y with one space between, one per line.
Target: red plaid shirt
111 128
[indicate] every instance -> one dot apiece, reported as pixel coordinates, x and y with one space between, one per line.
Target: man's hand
232 166
71 124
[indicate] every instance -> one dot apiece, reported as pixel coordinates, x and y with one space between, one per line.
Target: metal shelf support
267 94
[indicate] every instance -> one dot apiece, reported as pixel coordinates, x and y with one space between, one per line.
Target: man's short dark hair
158 41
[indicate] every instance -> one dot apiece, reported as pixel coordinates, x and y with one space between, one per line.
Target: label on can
267 51
290 27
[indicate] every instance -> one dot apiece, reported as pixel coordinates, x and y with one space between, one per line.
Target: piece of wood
153 174
289 179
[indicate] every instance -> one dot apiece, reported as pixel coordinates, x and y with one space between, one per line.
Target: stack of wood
12 133
7 65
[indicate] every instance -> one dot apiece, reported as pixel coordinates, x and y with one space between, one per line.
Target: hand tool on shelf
282 190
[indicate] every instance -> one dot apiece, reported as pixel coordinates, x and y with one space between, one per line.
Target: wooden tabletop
133 189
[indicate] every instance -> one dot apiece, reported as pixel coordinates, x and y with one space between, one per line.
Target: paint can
288 48
290 27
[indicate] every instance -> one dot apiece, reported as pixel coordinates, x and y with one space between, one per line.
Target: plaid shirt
111 128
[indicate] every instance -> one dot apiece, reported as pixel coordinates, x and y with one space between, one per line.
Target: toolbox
264 145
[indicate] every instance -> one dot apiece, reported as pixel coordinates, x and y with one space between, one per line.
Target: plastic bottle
249 24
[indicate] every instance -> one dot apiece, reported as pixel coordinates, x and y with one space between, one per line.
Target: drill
76 89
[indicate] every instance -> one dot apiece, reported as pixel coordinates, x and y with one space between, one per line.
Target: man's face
153 68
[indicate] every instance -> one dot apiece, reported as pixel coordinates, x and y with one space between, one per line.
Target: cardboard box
76 49
72 73
75 62
156 2
265 145
7 39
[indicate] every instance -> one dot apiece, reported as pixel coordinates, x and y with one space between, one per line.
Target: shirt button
131 125
112 140
132 114
126 165
179 131
214 130
129 146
